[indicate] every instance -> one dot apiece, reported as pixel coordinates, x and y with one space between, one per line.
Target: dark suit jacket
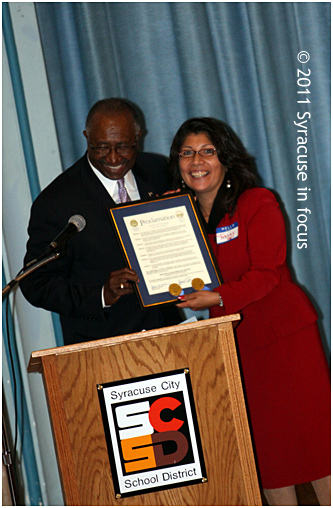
71 286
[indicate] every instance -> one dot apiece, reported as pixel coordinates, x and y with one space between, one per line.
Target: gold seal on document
175 289
198 284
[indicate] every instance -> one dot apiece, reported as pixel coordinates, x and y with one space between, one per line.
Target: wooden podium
207 348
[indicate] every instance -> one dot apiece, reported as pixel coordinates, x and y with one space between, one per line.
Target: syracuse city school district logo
152 435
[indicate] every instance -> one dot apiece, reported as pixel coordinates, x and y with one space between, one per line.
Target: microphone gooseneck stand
30 267
6 452
8 463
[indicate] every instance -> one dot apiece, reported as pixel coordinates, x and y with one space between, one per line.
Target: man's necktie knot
122 192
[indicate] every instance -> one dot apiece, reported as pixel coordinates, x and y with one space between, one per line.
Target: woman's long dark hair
231 154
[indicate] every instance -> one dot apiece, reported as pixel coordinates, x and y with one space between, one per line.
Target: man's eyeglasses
104 150
204 152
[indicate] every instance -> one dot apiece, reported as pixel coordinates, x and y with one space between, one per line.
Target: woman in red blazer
285 372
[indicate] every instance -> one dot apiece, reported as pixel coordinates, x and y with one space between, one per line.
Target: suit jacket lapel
144 183
96 191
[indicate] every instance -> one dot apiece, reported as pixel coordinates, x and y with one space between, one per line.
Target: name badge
227 233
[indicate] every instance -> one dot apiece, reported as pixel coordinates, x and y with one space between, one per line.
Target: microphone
75 224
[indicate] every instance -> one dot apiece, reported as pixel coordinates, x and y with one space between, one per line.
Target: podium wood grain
207 348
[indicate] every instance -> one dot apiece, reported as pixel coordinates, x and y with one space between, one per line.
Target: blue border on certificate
167 202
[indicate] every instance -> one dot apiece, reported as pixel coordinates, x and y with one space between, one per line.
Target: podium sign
152 433
107 395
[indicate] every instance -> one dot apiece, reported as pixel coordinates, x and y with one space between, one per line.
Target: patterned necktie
122 192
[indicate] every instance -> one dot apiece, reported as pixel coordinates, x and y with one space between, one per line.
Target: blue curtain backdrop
235 61
238 61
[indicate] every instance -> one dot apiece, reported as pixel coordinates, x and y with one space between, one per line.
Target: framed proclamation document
163 240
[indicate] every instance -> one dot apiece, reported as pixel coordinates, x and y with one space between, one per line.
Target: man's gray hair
114 105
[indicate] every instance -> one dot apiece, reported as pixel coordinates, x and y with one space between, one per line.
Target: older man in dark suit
90 286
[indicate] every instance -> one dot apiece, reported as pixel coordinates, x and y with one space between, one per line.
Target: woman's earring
228 184
183 184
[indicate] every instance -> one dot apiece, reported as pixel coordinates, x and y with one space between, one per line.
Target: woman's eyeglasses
204 152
